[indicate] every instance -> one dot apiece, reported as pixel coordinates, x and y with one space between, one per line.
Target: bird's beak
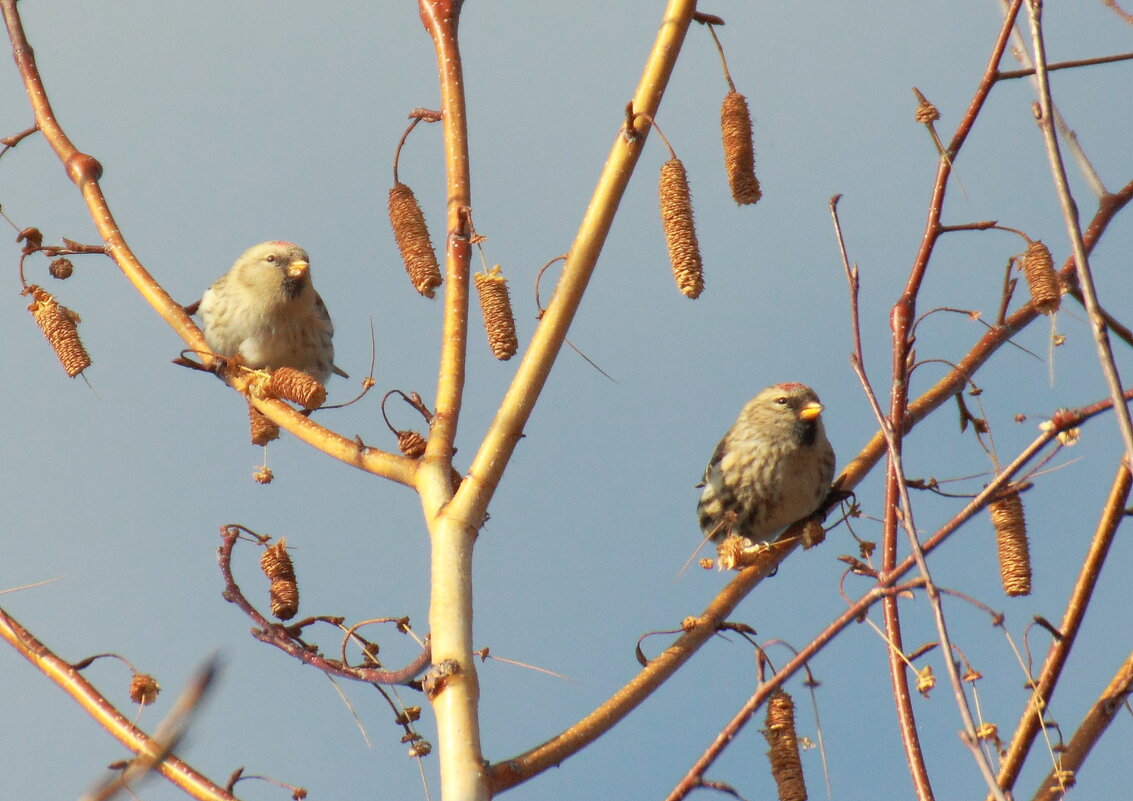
811 411
297 269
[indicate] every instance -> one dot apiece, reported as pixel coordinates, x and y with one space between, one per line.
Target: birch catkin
495 305
60 326
1011 541
1038 267
739 150
295 386
680 234
413 240
786 765
284 593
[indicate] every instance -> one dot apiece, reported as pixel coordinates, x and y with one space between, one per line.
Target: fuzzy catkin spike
786 765
413 240
1011 540
495 305
284 593
60 326
263 429
1038 267
739 150
295 386
680 234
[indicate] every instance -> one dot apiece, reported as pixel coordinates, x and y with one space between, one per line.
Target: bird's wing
711 470
328 327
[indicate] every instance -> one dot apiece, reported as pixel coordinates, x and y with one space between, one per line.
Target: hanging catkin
495 304
680 235
60 326
295 386
413 240
786 765
411 444
739 150
1038 267
1011 541
284 593
263 429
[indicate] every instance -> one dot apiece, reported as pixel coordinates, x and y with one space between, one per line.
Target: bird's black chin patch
293 287
807 432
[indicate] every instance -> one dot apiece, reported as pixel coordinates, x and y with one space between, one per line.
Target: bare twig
105 713
1074 231
1032 718
1090 730
283 638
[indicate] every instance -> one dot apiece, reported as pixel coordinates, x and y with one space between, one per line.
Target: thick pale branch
98 707
455 697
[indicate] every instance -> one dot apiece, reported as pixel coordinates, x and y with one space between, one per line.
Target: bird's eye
271 257
781 400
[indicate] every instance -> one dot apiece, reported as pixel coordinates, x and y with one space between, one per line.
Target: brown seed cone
263 475
293 385
413 240
411 444
60 326
496 308
1038 267
786 765
1011 539
61 268
676 219
284 598
284 593
144 689
263 429
739 150
926 113
276 562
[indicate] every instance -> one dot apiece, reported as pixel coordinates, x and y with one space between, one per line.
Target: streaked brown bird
266 310
772 468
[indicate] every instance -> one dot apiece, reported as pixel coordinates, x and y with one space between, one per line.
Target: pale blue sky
223 124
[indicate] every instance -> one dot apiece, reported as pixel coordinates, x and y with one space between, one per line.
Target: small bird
266 311
772 468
